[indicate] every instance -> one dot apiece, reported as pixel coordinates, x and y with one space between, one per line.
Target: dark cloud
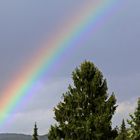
114 47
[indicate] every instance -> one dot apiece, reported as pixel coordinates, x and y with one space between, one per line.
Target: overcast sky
114 48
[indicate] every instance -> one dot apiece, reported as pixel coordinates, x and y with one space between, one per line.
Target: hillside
19 137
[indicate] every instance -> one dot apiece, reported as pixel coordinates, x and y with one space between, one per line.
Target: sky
113 47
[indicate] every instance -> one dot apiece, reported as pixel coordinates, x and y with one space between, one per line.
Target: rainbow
88 18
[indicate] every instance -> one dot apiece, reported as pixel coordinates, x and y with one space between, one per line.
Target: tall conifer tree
134 123
86 110
35 134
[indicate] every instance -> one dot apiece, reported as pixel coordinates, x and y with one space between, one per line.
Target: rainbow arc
87 17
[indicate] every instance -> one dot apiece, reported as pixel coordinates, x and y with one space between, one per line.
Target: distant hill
19 137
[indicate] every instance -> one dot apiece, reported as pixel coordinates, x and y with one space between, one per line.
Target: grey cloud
114 48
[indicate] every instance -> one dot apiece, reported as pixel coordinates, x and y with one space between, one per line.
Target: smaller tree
134 123
35 134
123 134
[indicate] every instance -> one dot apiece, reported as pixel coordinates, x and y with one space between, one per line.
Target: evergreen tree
134 123
86 110
35 134
123 134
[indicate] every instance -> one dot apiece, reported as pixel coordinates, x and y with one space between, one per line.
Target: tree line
86 110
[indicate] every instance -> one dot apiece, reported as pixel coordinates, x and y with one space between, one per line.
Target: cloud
123 110
24 122
39 108
114 48
126 106
48 94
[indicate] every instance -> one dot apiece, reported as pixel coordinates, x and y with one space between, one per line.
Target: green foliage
123 134
86 110
134 123
35 134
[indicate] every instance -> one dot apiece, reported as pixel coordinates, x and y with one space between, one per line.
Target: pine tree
123 134
86 110
134 123
35 134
